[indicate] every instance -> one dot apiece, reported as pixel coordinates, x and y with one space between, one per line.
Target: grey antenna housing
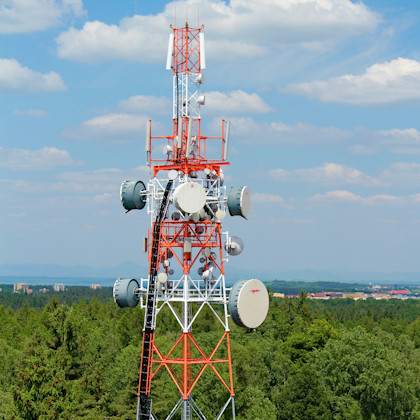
248 303
131 195
234 245
124 293
239 201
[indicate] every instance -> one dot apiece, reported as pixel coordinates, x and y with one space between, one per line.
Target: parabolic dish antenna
234 245
189 197
248 303
130 195
239 201
173 174
123 293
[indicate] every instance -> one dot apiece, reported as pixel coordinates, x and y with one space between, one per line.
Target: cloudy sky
324 100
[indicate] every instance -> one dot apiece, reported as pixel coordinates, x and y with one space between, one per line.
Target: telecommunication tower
187 201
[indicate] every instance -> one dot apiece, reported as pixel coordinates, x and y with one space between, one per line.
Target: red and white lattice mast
186 247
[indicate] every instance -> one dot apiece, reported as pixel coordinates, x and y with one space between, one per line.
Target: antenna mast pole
190 174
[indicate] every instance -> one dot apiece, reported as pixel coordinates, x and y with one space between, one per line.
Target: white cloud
406 141
112 127
74 6
402 174
104 176
45 158
102 182
235 102
360 149
20 16
140 38
99 184
399 141
31 112
327 174
385 83
306 133
399 174
127 123
288 221
17 215
240 28
277 132
379 199
146 105
266 198
16 78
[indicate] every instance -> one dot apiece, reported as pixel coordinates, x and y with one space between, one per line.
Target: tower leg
185 410
138 408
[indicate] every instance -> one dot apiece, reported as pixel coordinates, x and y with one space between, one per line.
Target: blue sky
323 96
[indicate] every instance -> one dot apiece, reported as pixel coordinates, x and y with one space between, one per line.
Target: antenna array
187 201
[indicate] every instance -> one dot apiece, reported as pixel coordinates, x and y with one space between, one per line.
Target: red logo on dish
255 291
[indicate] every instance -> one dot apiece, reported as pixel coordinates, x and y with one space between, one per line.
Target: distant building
19 288
278 295
334 295
383 296
22 288
356 295
399 292
44 290
59 287
95 286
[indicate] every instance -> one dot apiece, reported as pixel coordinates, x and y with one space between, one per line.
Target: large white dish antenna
189 197
248 303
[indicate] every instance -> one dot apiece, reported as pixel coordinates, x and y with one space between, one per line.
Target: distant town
377 292
58 287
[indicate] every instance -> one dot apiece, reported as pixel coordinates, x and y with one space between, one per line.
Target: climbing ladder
144 409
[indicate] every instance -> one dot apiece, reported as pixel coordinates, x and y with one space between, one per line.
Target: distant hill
127 269
294 287
132 269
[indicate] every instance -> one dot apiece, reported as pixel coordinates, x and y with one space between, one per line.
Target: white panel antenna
148 135
188 147
202 52
225 154
170 52
179 144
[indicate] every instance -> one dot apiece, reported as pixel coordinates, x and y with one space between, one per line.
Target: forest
339 359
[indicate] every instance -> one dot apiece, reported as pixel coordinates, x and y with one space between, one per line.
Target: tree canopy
309 360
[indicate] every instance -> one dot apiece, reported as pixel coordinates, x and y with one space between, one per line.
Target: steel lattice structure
187 201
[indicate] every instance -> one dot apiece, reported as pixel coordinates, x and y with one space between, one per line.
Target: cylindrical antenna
170 52
148 136
202 52
225 153
187 150
179 144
